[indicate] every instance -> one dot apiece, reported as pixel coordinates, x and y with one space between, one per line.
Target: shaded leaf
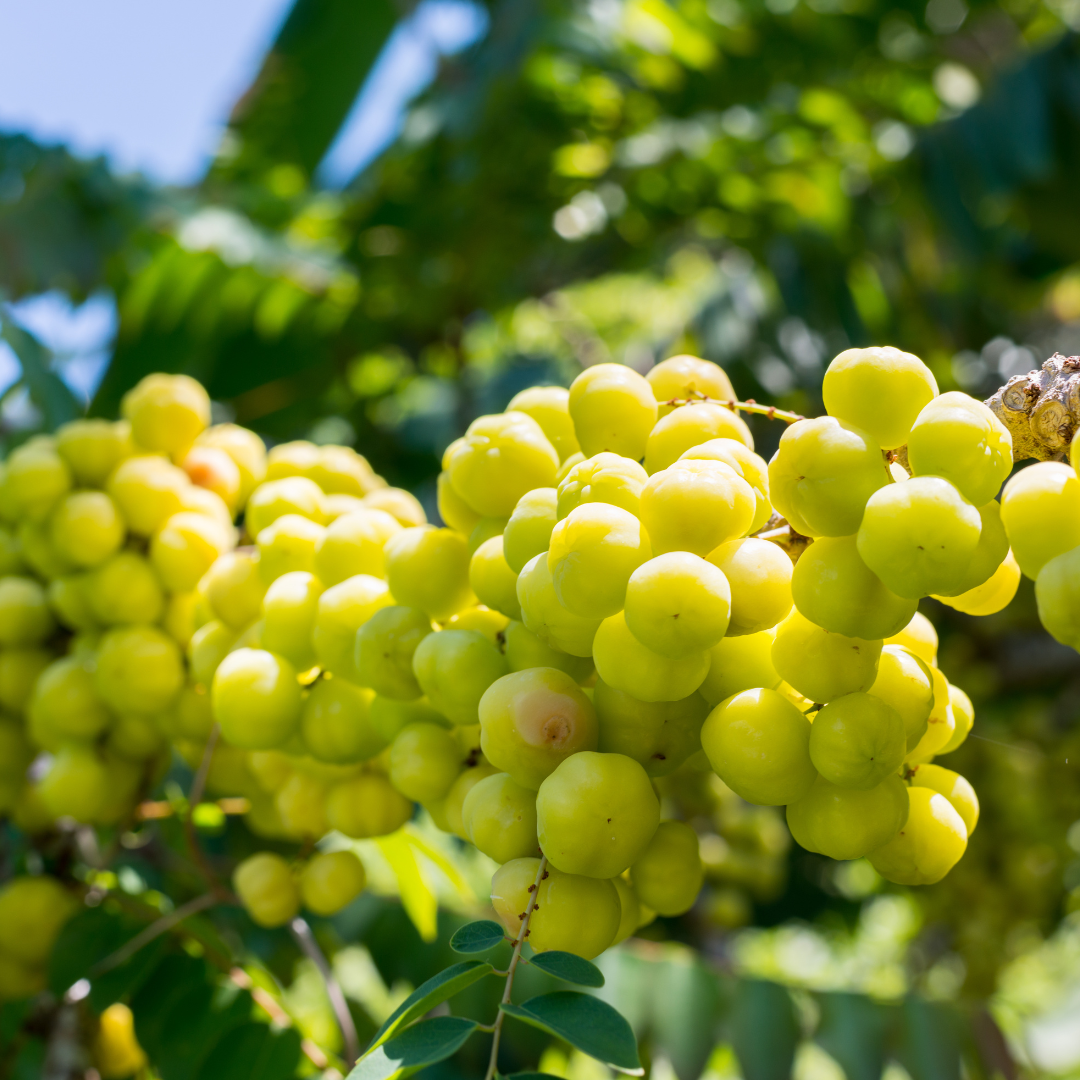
47 390
477 937
568 967
253 1052
585 1022
764 1030
434 992
423 1044
853 1030
929 1042
686 1003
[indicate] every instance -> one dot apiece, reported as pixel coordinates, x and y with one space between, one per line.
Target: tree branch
306 940
1041 409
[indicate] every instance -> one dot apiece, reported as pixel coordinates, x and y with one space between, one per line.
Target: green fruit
531 721
629 908
25 619
256 699
758 743
904 682
385 645
86 528
857 740
288 544
668 874
342 610
366 806
528 530
425 760
595 814
331 880
389 716
428 568
613 409
929 844
139 670
267 890
740 663
66 702
954 787
822 665
76 785
454 668
491 578
846 823
523 649
336 724
289 610
499 817
453 806
33 911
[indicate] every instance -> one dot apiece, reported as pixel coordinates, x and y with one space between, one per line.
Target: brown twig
523 933
750 406
306 940
198 785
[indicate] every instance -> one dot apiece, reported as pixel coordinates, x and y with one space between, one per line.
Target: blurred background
369 222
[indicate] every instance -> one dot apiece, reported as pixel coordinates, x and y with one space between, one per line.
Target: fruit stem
750 406
306 940
198 785
155 929
523 933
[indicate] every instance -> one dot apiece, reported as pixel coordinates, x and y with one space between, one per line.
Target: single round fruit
929 844
954 787
86 528
905 683
267 890
549 406
523 649
365 806
823 665
353 544
33 911
595 814
384 650
759 576
857 740
499 817
690 425
331 880
613 409
688 377
292 495
528 531
424 761
234 588
166 412
626 664
139 670
604 478
492 579
289 610
668 874
428 568
740 663
454 668
25 619
846 823
336 726
542 613
256 699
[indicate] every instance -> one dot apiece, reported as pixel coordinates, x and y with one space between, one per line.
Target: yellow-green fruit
528 531
389 716
759 576
523 649
117 1052
93 448
353 544
147 489
16 751
542 613
166 412
499 817
954 787
399 504
531 721
758 743
256 699
629 908
135 738
425 760
549 406
593 552
905 683
69 598
37 477
688 426
678 604
740 663
688 377
659 735
289 609
18 980
492 579
267 890
823 665
603 478
76 785
846 823
342 610
919 637
278 498
335 724
139 670
301 805
1040 509
185 547
366 806
37 552
331 880
454 668
573 913
696 505
385 645
623 662
752 468
857 740
428 568
234 588
211 468
33 911
963 716
928 845
613 408
455 512
483 620
85 528
66 701
993 595
25 619
124 590
11 556
453 805
498 459
940 725
595 814
288 544
668 874
209 645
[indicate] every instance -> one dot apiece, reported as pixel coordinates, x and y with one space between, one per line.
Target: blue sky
150 85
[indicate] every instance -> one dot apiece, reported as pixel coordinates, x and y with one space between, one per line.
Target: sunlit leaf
417 897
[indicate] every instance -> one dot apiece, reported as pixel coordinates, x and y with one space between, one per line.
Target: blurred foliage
761 182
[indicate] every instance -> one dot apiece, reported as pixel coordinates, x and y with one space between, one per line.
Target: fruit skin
428 568
366 806
929 844
963 713
235 588
528 530
823 665
33 911
166 412
1057 590
531 721
954 787
331 880
139 670
385 646
630 909
993 595
740 663
940 725
342 610
687 426
549 406
289 609
759 575
117 1052
595 814
453 806
686 376
904 682
25 619
623 662
1040 509
267 890
604 478
660 736
613 409
353 544
335 724
86 528
879 389
454 668
256 699
491 578
542 613
857 740
424 761
185 547
919 637
845 823
667 876
758 743
499 817
523 649
572 914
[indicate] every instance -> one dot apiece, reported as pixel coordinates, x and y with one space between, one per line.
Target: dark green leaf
434 992
569 968
685 1006
853 1030
423 1044
477 937
929 1043
47 390
253 1052
588 1023
764 1032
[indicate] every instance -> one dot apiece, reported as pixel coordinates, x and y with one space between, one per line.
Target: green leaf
253 1051
764 1030
686 1003
585 1022
530 1076
435 991
853 1030
568 967
477 937
930 1044
417 897
47 390
423 1044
